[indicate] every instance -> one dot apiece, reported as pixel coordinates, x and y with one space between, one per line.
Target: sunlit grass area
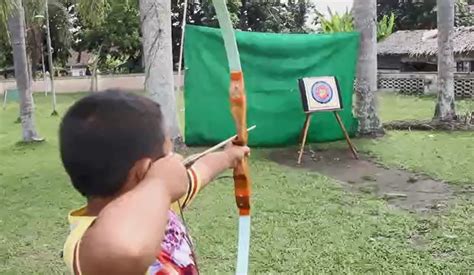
302 222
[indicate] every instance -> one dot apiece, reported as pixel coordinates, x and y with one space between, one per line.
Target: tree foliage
274 17
6 8
36 33
385 26
345 23
411 14
265 16
117 37
113 26
60 25
6 56
336 22
94 12
464 16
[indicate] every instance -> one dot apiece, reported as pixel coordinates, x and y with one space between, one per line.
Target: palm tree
155 18
16 26
444 110
365 20
50 57
38 22
157 52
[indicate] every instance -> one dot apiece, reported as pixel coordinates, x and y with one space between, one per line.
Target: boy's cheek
168 146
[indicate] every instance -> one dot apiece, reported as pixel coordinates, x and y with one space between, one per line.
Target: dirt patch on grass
402 189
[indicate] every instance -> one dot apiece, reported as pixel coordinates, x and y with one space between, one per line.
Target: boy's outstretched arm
213 164
128 232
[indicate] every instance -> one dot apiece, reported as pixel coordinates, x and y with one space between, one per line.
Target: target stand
321 94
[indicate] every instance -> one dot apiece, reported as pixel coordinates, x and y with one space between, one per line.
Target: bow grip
242 188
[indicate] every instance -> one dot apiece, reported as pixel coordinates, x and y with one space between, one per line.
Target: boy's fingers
229 144
246 150
171 170
170 161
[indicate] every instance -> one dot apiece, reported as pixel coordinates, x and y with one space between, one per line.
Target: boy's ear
139 170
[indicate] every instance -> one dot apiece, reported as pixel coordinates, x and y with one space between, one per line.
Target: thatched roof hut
418 43
78 63
79 59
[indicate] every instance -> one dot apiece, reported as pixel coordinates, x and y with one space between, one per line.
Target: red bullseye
322 92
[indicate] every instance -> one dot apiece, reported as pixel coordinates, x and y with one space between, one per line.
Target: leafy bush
345 23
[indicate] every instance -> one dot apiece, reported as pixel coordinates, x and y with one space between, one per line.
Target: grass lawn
302 223
442 155
403 107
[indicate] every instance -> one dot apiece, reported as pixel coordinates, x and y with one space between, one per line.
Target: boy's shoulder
177 250
78 225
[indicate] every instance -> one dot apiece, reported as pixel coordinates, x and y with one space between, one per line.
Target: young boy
114 148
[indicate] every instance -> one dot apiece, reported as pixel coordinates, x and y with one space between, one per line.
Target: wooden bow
238 105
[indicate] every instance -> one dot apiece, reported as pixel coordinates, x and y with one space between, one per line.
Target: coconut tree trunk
43 67
365 13
50 58
16 25
444 110
157 52
94 76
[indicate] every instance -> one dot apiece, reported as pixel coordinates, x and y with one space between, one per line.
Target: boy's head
108 139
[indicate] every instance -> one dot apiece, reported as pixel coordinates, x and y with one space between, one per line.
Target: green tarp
272 64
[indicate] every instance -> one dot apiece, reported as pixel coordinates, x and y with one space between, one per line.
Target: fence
128 82
424 83
408 83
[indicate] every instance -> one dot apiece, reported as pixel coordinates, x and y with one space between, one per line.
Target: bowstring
187 237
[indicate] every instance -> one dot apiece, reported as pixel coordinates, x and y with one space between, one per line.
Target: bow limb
228 35
238 104
242 181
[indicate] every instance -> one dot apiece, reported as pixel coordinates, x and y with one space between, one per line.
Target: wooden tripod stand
304 135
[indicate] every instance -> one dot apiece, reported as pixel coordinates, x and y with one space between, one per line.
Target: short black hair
104 134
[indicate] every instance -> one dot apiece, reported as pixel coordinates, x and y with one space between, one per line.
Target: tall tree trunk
94 77
157 52
29 50
444 109
365 13
50 58
43 67
16 25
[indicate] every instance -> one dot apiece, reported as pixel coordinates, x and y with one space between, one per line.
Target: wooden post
5 99
304 135
346 135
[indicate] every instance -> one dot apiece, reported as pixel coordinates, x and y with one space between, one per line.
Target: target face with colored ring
322 92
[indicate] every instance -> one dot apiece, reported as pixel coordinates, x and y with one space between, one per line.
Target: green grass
404 107
442 155
302 222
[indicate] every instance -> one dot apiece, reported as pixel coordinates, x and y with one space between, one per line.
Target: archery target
320 94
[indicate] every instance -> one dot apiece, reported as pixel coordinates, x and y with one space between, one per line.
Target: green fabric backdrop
271 63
